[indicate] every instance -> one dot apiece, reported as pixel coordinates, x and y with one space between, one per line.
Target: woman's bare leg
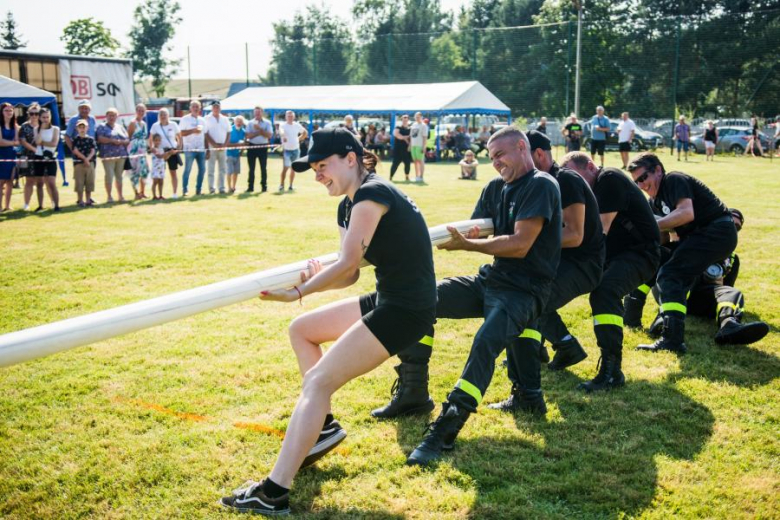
51 187
328 323
357 352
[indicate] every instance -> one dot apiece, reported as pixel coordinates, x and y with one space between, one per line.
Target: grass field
161 423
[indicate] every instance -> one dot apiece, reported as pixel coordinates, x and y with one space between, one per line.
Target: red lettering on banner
81 86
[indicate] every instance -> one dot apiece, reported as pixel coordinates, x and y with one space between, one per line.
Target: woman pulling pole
381 224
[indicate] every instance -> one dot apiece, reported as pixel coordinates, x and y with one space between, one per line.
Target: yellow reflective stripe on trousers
644 288
726 304
672 306
532 334
427 340
470 389
608 319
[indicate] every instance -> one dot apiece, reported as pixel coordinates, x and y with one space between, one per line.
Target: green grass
103 431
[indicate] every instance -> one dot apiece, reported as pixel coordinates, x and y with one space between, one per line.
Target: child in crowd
84 151
468 166
237 136
159 158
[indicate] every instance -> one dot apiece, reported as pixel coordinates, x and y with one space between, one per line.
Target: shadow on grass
598 459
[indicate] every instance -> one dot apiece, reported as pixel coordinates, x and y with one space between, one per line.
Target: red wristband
300 295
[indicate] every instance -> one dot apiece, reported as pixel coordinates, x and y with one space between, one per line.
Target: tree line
653 58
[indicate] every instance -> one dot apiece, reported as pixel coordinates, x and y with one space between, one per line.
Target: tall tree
89 37
10 38
154 25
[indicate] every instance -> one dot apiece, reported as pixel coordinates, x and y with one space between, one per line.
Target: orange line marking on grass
255 427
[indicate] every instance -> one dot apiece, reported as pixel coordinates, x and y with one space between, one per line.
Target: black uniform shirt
677 185
536 194
634 227
574 190
400 144
571 128
401 247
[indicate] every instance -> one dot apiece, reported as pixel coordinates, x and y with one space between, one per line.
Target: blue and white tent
17 93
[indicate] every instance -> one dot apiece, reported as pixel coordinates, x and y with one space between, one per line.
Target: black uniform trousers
401 155
261 155
571 280
697 251
510 322
623 272
717 301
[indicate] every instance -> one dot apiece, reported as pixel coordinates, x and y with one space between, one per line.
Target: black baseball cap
538 140
327 142
737 213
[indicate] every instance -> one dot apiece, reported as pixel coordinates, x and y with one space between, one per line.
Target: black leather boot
409 393
735 333
440 435
632 315
671 337
609 374
657 327
567 353
519 400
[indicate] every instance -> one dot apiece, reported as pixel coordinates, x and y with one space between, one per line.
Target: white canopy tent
464 97
432 99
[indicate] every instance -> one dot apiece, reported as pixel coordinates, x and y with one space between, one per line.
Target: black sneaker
330 437
251 499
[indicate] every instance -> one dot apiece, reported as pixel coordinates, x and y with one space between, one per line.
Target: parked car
732 139
643 139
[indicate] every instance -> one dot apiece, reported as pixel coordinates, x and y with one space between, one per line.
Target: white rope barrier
133 156
36 342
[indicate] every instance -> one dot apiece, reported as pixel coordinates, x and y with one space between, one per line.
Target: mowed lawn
161 423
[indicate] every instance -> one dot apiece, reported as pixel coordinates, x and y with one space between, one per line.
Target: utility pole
578 5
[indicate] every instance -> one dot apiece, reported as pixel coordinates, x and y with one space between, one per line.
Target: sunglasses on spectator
642 178
33 114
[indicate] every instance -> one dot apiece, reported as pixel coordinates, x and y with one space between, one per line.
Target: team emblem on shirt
414 206
511 210
665 208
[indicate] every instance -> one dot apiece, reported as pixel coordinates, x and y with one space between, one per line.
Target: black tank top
709 135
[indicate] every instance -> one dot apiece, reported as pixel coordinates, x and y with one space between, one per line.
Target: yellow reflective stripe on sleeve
427 340
470 389
532 334
726 304
608 319
644 288
672 306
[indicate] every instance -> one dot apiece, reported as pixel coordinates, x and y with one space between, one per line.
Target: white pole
36 342
579 56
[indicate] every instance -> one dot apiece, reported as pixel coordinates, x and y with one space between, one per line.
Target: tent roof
458 97
11 90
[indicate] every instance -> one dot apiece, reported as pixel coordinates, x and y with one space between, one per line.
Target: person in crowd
381 224
258 133
84 112
382 141
371 137
706 232
579 270
682 134
713 295
777 134
481 140
170 136
192 128
542 126
419 138
363 136
84 153
573 134
293 133
754 140
632 241
47 138
349 124
112 144
159 159
599 127
710 141
9 140
25 167
525 206
449 143
401 148
237 137
626 130
139 136
468 166
217 140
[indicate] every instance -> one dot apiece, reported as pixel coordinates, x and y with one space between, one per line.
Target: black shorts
174 161
394 326
597 147
624 147
44 169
